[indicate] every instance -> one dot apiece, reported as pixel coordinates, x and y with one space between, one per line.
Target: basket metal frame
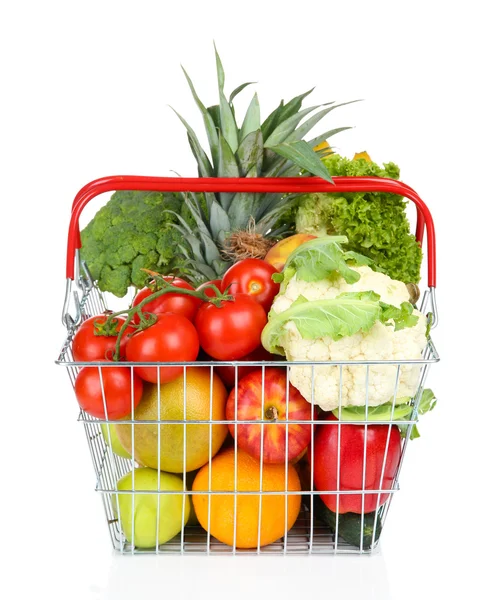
307 535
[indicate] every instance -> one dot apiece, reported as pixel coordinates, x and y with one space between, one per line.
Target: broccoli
134 231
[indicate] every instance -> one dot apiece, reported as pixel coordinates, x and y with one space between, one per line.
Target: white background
85 89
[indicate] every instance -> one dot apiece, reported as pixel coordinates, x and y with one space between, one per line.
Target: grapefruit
180 445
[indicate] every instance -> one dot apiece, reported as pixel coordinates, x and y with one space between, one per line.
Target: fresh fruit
172 338
89 346
167 403
227 372
244 224
113 388
232 329
112 441
252 276
223 507
267 400
180 304
277 255
210 292
347 442
149 527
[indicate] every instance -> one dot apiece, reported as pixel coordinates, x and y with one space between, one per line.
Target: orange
198 407
222 516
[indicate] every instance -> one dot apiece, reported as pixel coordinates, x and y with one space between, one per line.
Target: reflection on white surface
236 577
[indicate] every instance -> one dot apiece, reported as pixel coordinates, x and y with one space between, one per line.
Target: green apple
145 514
116 445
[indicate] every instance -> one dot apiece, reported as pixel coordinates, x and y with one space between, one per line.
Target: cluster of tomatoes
186 325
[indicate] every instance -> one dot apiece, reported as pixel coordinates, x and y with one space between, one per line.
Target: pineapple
231 226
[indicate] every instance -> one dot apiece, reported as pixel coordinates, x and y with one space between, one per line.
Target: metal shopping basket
316 530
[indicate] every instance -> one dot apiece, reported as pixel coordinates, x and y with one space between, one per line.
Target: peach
278 254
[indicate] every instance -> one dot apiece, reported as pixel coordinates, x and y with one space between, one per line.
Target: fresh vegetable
93 342
208 288
376 224
400 410
135 230
262 396
349 524
278 254
179 304
252 276
172 338
333 306
108 392
237 226
339 463
232 329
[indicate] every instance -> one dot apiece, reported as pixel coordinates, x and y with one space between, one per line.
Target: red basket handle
301 185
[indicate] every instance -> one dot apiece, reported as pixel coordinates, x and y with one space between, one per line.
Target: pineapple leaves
227 118
241 209
208 121
205 168
286 127
302 154
219 220
227 167
252 119
238 89
250 153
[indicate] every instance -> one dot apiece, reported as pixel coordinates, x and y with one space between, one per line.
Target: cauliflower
353 313
391 291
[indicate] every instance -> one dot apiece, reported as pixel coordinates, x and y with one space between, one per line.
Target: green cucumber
349 524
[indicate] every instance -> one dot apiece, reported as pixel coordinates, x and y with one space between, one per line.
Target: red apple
274 408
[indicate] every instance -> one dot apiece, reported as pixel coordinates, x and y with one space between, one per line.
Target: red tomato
179 304
227 372
172 338
210 293
231 330
116 392
252 276
87 346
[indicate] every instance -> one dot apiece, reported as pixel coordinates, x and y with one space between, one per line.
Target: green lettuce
401 411
375 224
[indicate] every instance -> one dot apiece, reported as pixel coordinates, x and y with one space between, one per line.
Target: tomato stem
146 319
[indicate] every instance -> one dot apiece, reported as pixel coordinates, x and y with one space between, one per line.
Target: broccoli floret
133 231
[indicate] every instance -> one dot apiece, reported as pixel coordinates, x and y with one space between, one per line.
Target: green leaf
219 70
272 121
286 127
227 167
208 121
304 156
299 133
321 258
241 209
238 89
203 163
336 319
293 106
214 111
219 220
252 119
250 153
402 316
